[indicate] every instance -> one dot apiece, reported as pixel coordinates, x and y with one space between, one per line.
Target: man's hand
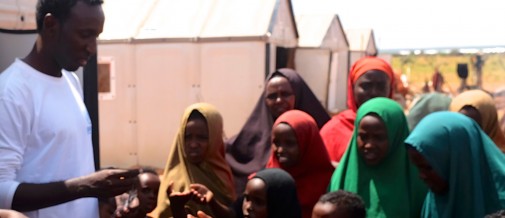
105 183
102 184
11 214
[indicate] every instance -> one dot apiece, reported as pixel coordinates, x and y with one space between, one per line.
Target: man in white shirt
46 153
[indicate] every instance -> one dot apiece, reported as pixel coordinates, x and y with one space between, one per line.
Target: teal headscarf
392 188
427 103
467 159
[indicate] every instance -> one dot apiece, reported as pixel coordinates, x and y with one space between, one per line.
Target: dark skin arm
177 201
101 184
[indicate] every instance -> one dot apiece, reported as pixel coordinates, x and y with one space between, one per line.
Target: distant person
437 81
460 164
462 70
339 204
196 166
426 104
376 166
426 87
249 150
46 153
369 77
298 149
481 107
401 90
271 193
478 63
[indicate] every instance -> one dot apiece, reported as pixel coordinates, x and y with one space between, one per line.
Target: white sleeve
13 135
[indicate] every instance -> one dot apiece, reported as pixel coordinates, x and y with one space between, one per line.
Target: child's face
285 145
473 113
426 172
255 199
148 192
196 140
372 140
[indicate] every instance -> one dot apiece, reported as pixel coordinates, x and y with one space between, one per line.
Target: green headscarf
427 103
392 188
467 159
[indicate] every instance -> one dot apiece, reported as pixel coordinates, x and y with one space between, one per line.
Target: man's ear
51 25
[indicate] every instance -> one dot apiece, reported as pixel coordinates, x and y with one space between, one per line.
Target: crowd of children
371 160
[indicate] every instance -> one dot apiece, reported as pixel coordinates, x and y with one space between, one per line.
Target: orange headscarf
337 132
362 66
313 171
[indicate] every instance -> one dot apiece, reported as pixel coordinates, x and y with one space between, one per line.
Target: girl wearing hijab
376 165
461 165
271 193
426 104
249 151
197 157
480 106
298 149
369 77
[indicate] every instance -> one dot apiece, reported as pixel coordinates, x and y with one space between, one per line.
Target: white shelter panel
14 46
117 118
313 65
232 79
17 15
165 75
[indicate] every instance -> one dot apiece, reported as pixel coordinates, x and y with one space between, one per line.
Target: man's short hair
346 201
58 8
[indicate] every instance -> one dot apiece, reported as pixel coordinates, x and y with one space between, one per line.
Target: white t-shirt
45 136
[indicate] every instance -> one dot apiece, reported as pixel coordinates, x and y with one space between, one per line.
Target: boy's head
148 190
339 204
68 30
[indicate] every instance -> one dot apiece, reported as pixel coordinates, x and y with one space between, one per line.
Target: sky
418 24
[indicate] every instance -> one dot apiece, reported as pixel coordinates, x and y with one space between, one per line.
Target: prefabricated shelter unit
17 30
322 58
361 43
167 54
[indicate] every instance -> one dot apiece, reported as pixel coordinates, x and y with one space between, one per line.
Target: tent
361 43
17 29
168 54
322 58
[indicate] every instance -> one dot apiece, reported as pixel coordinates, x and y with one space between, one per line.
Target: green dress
392 188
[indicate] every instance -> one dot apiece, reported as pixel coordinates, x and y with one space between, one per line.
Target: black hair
346 201
196 115
58 8
150 170
278 74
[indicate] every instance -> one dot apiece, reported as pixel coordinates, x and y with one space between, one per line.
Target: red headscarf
313 171
337 132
